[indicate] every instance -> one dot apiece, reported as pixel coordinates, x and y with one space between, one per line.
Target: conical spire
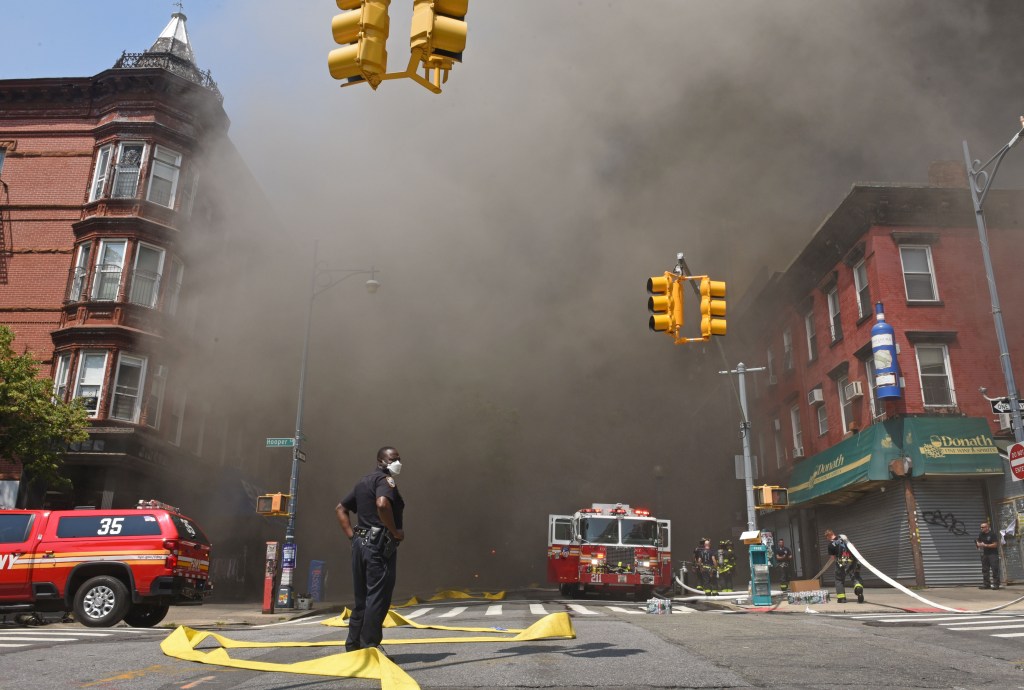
173 40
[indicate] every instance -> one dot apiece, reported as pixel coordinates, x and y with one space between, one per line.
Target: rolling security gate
877 526
948 514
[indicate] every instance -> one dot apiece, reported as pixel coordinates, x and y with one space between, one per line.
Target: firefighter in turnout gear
846 564
726 565
707 564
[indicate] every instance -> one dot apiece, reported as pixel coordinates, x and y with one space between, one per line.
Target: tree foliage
35 429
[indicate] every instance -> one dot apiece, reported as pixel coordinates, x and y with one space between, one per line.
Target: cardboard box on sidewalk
817 596
804 585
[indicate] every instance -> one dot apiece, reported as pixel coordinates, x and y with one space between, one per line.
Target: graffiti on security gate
947 520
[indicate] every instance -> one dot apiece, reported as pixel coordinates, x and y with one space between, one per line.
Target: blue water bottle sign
883 350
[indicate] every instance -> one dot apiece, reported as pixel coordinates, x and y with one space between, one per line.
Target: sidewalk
892 600
241 613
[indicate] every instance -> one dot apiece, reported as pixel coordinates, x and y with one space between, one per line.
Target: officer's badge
391 482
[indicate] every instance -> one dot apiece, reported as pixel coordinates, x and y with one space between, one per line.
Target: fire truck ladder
6 243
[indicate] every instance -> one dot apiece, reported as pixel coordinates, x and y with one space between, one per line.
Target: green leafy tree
34 429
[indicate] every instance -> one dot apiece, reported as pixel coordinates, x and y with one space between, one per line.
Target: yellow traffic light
363 30
771 496
273 504
665 303
712 305
437 38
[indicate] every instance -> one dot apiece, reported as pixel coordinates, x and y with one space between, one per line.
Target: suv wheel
145 615
101 602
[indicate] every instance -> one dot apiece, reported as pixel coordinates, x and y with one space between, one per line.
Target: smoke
515 218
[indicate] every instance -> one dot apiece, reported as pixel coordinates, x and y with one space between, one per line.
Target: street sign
1002 405
280 442
1016 452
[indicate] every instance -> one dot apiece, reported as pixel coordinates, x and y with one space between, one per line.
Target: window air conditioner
853 390
815 397
798 452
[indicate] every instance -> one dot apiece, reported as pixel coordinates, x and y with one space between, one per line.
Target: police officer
846 564
378 506
783 561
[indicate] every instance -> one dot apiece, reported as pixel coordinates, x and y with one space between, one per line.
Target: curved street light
322 279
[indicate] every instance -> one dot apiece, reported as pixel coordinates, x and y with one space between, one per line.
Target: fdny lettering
7 560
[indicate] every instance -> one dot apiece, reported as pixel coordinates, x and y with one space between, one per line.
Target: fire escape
6 244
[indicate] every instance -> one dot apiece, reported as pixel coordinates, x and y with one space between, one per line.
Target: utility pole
748 474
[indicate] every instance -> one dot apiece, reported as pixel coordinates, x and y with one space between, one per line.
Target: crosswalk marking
418 612
579 608
61 631
15 645
1007 634
983 622
454 612
44 638
935 620
494 610
992 627
619 609
311 621
538 610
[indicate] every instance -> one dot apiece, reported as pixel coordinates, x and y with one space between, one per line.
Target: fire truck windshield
639 532
599 530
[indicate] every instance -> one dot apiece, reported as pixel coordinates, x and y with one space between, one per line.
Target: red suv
105 565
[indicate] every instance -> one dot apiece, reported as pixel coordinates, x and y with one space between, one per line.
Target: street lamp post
980 183
286 590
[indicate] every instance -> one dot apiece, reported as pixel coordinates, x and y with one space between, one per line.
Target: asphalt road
615 647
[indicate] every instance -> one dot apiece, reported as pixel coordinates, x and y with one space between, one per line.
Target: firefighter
726 564
846 564
696 563
708 563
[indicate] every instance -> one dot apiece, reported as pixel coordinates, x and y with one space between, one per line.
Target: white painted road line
454 612
1008 635
5 646
929 619
494 610
619 609
311 621
538 610
60 632
21 638
983 622
582 610
992 627
417 613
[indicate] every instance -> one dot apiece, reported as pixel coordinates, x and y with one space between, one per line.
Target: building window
835 324
99 176
3 155
174 291
798 432
936 379
149 263
919 273
89 385
812 337
822 421
60 376
155 405
131 372
787 349
845 404
79 273
163 177
860 281
127 170
780 450
109 264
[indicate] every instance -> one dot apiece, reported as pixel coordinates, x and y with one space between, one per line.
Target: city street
616 646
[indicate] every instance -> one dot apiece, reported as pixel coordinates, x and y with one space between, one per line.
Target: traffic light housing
665 303
363 30
712 306
771 496
437 39
273 504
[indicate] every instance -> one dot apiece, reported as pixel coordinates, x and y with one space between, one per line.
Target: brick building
118 245
908 479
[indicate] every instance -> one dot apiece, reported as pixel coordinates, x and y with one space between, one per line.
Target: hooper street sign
280 442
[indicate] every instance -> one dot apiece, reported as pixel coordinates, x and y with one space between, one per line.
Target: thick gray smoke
516 217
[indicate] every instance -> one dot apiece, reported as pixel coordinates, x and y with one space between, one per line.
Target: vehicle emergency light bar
156 505
590 510
641 512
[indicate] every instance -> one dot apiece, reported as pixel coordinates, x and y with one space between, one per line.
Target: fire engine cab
609 548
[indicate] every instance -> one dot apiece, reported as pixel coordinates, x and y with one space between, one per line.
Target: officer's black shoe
984 587
995 586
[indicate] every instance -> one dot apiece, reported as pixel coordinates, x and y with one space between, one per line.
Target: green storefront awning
861 458
951 446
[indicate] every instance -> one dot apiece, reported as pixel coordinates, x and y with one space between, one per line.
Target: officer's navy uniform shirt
362 499
988 538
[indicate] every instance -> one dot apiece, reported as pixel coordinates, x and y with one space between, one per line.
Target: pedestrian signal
273 504
771 497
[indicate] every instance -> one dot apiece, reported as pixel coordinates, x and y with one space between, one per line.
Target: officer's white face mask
395 468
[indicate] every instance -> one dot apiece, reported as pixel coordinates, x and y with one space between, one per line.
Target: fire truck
609 548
